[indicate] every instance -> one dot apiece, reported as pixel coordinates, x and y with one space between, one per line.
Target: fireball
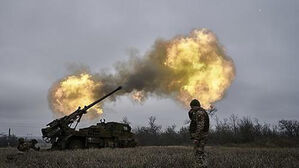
207 71
138 96
74 91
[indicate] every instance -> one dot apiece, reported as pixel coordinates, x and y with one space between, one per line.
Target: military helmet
34 141
21 140
195 102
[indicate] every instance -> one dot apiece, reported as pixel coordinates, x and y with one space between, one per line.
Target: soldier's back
24 147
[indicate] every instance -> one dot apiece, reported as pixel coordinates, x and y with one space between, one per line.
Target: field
171 156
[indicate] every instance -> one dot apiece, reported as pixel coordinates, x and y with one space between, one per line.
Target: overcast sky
40 39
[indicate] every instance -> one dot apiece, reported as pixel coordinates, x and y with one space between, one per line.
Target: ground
166 157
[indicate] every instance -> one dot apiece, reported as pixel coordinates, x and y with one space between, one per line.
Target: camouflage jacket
24 147
199 125
27 145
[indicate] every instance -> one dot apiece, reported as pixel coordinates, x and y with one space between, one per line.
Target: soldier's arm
200 122
190 114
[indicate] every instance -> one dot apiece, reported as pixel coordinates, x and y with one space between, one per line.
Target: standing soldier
199 130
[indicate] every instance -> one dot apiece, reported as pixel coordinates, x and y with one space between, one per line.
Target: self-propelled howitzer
112 134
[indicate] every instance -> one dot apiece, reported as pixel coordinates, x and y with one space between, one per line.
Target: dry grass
176 156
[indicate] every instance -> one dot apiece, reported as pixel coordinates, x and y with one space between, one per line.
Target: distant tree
233 120
246 129
169 136
6 140
289 127
153 128
171 130
184 135
149 135
126 121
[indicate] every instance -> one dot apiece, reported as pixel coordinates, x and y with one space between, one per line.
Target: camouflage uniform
25 146
199 129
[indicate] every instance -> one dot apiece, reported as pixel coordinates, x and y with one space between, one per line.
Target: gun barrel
102 98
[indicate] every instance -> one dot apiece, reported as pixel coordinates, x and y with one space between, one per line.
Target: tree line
229 131
8 140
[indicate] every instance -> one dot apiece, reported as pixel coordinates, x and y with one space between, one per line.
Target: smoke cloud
183 68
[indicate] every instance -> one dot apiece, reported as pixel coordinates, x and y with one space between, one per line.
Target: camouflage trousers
200 154
26 146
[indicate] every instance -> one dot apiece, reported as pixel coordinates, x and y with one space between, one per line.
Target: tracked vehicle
111 134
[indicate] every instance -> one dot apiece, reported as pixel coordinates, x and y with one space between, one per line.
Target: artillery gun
112 134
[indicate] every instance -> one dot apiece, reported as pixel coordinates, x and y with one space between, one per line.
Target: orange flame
138 96
74 91
207 71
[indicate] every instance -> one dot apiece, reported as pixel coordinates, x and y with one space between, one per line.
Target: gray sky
40 39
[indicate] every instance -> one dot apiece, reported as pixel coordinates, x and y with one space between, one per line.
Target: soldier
25 146
199 129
